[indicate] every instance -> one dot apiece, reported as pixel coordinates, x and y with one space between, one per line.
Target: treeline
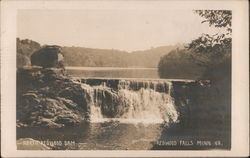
185 64
179 64
90 57
207 57
24 50
79 56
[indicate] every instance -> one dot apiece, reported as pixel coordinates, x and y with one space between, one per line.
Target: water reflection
114 72
100 136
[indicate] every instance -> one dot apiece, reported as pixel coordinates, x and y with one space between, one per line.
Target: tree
213 52
210 51
179 65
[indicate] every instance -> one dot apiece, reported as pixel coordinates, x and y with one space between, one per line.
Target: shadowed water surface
99 136
114 135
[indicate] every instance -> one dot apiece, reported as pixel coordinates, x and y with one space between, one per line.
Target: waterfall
129 100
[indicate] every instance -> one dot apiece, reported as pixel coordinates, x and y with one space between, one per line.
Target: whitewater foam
133 102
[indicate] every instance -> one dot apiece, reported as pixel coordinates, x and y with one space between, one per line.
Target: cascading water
147 101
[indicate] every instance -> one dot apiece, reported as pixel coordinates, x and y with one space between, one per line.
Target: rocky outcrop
48 56
48 98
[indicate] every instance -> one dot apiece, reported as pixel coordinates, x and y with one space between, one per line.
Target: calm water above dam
113 72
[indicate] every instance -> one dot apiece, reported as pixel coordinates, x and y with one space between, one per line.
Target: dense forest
179 64
90 57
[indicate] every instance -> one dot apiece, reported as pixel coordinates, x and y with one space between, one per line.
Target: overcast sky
125 29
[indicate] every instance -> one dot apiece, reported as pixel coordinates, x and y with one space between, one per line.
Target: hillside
179 64
92 57
24 50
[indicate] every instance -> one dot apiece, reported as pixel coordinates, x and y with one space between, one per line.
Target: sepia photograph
144 76
119 79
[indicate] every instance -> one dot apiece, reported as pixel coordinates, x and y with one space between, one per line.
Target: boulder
47 57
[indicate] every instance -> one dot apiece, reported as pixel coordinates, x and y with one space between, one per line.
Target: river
113 72
132 114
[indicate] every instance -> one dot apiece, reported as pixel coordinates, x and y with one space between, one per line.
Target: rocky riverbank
48 98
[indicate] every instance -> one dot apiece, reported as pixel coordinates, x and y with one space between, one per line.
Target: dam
130 100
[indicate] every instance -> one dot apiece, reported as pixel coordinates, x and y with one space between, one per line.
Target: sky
123 29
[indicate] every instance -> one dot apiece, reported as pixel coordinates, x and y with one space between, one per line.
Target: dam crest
129 100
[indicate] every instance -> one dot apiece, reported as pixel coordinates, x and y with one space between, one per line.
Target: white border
240 78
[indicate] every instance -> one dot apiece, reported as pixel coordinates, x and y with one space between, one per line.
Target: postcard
124 78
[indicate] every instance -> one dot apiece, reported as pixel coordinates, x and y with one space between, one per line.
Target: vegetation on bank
208 56
178 64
